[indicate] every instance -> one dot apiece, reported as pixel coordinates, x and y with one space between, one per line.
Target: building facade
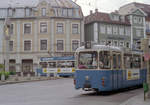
115 29
39 28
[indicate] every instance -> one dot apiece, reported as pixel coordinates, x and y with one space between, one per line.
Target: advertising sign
133 74
49 70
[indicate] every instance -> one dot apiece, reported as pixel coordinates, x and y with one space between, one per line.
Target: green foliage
12 73
4 73
1 66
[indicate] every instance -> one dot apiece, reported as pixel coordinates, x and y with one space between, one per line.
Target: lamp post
7 24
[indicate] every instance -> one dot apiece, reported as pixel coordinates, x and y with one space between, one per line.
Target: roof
145 8
104 17
100 47
34 3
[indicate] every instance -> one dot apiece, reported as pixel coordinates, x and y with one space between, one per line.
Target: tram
107 68
62 66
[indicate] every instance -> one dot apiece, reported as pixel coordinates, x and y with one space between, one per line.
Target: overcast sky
105 5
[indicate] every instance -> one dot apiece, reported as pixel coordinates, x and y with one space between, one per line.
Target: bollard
21 74
2 77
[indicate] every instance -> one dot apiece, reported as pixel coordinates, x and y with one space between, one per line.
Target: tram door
116 70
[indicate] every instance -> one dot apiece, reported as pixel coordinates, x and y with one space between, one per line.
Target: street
58 92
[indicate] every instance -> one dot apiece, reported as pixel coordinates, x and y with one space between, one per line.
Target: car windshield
88 60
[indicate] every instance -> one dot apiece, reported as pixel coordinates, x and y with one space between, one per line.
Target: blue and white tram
62 66
106 68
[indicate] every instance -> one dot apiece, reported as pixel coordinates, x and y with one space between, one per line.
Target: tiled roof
103 17
34 3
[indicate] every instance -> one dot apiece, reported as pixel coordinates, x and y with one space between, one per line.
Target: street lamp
7 25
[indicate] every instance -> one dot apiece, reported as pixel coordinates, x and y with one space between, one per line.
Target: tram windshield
88 60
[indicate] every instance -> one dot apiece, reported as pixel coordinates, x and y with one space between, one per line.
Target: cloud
105 5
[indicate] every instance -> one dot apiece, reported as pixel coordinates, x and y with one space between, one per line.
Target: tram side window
128 61
52 64
104 60
136 61
70 64
61 64
43 64
88 60
116 61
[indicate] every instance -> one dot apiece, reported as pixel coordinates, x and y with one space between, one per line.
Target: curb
15 82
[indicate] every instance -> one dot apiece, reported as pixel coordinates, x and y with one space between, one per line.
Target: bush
12 73
4 73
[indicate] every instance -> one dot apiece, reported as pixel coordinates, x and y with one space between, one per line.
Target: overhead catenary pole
146 50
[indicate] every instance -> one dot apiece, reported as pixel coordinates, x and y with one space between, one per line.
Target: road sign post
145 47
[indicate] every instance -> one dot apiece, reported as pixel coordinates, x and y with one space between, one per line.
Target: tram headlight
86 77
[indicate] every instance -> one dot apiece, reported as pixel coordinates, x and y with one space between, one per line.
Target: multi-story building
39 28
128 8
115 29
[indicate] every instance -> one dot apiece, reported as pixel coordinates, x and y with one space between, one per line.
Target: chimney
91 12
96 10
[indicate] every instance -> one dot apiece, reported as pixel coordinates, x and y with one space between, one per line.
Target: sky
104 5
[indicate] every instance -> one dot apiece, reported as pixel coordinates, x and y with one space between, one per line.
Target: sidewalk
14 80
137 100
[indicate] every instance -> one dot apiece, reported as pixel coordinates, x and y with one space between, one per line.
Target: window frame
60 44
46 45
30 28
30 45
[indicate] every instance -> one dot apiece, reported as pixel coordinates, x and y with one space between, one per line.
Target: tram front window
88 60
104 60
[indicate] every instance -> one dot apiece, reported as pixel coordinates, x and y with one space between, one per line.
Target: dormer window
10 12
27 11
43 11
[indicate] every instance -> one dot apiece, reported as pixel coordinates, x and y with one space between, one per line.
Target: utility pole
7 39
145 47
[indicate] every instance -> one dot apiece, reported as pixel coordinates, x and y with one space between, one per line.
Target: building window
103 42
11 31
43 10
11 45
135 19
60 28
43 27
115 43
27 11
138 32
43 45
121 31
27 28
109 43
115 30
65 12
127 44
121 44
75 29
140 20
109 30
70 12
103 29
75 45
10 12
60 45
27 45
127 31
